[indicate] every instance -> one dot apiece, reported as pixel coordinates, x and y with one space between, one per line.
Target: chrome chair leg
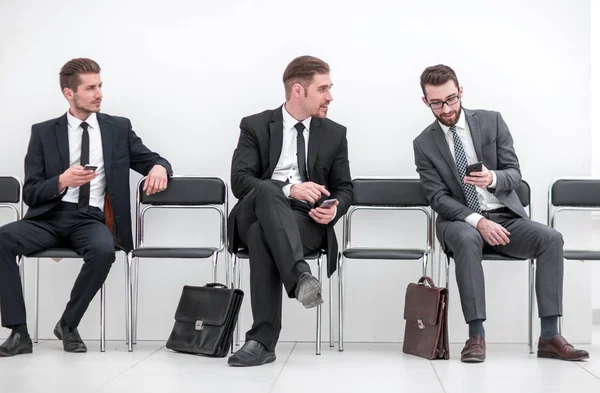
127 304
318 338
103 318
129 289
136 279
36 307
215 260
340 271
330 311
531 296
237 276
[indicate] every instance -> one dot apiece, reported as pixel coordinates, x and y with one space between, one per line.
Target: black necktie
84 190
301 152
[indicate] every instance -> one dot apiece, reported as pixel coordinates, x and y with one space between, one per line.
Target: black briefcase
205 319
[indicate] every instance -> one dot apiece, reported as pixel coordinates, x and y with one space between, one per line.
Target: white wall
185 72
595 64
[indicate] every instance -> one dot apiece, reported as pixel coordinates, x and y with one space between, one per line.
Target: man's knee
550 237
267 189
465 237
103 252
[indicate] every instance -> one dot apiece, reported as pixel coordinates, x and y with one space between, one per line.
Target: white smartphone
328 203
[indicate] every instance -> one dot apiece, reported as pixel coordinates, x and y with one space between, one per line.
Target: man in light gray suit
481 209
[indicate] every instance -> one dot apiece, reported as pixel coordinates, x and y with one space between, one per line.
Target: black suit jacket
48 157
257 154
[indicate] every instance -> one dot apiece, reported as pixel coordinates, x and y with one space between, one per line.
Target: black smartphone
477 167
90 168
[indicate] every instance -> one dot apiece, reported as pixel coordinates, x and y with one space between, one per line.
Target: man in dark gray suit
482 209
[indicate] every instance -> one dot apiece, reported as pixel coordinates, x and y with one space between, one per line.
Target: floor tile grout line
282 367
437 376
589 371
129 368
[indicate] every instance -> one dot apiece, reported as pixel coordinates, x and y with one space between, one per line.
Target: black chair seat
243 254
174 252
55 253
580 255
383 253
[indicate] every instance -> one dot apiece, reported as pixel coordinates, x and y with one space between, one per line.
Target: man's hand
493 233
323 215
156 181
308 191
480 179
75 176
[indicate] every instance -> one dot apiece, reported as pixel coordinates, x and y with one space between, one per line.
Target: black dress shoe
308 291
252 353
70 337
16 344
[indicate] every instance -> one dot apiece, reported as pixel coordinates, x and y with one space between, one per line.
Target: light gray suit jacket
439 176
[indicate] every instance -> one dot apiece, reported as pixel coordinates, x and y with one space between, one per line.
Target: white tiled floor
360 368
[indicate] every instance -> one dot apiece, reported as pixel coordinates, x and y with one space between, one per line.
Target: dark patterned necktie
84 189
301 151
461 164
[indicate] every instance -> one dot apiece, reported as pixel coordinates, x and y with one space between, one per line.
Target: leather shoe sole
234 362
552 355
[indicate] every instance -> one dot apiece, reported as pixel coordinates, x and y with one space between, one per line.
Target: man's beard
451 123
83 108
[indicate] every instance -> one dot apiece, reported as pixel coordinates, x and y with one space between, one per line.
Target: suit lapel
314 141
442 144
62 139
475 131
107 145
276 139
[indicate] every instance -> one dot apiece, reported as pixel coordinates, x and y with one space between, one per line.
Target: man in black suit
76 187
481 209
288 161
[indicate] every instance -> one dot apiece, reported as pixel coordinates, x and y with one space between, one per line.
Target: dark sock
476 328
549 327
22 329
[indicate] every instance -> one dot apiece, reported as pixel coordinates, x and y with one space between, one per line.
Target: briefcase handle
423 280
215 285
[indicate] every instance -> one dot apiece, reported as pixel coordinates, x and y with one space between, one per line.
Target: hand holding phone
476 167
328 203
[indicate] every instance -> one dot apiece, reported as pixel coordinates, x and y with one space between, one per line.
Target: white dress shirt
98 184
486 199
287 169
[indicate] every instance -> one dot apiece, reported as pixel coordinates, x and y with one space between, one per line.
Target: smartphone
328 203
477 167
90 168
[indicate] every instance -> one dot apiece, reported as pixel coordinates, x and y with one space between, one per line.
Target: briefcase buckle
199 325
420 324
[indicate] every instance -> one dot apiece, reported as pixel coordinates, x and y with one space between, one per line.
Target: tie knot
453 129
299 127
85 126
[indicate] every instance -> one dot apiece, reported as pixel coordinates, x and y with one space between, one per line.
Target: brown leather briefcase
426 315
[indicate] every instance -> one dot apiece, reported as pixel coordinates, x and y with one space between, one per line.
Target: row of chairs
379 194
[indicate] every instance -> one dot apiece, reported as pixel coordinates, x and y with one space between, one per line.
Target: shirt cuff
473 219
494 179
334 214
287 189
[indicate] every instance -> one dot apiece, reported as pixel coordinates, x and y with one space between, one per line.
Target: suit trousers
528 240
62 226
277 232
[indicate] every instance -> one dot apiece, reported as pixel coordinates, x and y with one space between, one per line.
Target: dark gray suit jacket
439 176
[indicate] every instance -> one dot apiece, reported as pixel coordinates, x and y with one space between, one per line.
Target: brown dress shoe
474 350
559 348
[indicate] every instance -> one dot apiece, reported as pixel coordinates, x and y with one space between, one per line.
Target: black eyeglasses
450 101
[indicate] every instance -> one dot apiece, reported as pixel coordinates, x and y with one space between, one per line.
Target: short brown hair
302 70
69 73
437 75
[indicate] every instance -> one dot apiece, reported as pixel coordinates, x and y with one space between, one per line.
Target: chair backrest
524 193
388 192
10 194
193 192
575 192
572 194
384 193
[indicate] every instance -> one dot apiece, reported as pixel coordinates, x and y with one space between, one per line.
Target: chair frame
17 208
133 263
347 240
